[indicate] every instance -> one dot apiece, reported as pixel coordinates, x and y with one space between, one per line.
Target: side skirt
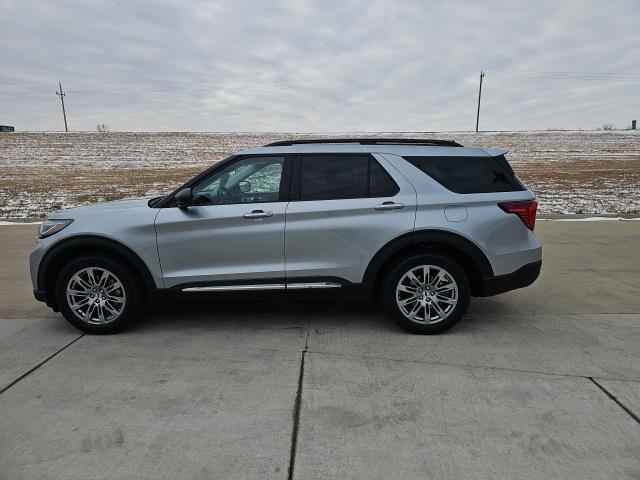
263 286
296 288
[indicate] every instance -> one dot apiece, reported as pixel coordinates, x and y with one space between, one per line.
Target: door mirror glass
184 198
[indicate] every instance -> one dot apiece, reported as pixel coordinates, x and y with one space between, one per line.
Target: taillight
525 210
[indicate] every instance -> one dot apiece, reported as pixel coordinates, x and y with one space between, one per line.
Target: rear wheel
98 294
427 294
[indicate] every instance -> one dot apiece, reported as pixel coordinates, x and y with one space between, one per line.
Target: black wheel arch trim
94 241
417 237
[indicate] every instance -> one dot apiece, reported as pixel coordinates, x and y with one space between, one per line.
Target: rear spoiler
498 154
494 152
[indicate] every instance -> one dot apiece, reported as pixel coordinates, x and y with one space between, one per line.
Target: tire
433 313
116 302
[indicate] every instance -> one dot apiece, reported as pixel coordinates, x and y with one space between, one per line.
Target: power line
325 81
278 86
541 72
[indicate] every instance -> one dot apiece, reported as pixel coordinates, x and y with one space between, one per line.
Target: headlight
49 227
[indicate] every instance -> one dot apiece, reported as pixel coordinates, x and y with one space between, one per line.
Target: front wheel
427 294
98 295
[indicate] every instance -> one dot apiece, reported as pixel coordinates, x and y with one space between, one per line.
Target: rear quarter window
469 174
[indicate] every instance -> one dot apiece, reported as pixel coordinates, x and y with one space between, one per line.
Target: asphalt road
542 382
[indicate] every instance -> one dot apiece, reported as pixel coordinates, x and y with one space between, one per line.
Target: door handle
257 214
389 206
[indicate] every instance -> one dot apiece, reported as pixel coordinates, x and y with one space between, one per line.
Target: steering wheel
225 194
202 199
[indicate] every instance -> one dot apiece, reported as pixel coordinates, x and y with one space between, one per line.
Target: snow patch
589 219
6 223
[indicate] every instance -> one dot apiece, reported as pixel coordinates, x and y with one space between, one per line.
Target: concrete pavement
207 400
402 419
542 382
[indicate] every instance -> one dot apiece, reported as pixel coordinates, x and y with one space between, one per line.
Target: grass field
570 172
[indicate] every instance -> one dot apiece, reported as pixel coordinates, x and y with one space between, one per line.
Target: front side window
249 180
332 177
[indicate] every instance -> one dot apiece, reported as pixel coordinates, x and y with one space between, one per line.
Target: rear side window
332 177
469 174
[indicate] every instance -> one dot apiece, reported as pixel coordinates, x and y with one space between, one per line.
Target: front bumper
40 295
523 277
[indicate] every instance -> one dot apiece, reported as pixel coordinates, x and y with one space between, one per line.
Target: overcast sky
305 66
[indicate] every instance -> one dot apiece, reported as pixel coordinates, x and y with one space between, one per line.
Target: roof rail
369 141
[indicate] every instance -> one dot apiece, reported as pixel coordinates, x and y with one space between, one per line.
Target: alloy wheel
96 296
427 294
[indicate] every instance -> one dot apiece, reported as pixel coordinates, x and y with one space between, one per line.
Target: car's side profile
421 225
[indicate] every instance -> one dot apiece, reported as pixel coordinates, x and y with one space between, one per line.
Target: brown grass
40 173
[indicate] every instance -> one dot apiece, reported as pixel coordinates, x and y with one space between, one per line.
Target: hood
115 206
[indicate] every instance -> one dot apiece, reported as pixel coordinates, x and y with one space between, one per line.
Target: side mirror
184 198
245 186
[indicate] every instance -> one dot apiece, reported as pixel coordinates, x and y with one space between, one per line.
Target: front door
234 232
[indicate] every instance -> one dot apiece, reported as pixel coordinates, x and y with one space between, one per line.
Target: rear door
343 209
234 232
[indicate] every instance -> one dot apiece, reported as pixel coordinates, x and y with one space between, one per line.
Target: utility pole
479 96
61 94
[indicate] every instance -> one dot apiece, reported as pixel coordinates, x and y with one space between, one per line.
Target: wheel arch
67 249
469 256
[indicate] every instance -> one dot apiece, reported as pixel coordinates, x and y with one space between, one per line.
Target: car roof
401 147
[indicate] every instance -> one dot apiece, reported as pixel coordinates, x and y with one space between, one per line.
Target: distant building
7 128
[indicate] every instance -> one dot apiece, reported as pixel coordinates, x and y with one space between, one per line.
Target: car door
234 232
343 209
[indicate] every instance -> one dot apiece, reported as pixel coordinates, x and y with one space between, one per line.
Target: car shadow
274 314
318 314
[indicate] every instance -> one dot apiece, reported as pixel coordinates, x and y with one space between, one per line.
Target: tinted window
331 177
381 183
250 180
469 174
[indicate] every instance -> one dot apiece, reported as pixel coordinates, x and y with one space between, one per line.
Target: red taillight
525 210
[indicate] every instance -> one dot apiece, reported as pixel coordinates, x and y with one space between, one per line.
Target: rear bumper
522 277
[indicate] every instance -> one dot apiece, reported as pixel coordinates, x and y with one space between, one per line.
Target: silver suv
420 225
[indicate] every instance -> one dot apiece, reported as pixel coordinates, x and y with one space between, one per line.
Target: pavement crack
615 399
296 415
463 365
28 372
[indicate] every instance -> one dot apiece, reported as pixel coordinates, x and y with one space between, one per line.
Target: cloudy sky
319 65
